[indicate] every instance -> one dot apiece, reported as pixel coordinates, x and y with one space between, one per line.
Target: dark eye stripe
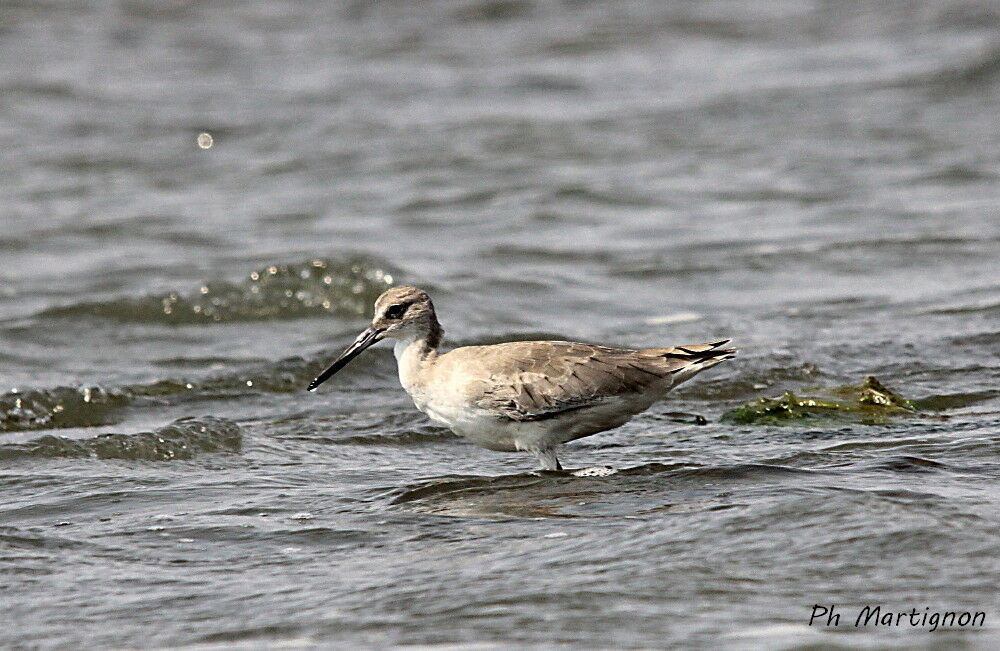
396 311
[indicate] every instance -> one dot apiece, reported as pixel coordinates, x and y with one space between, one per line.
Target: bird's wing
537 380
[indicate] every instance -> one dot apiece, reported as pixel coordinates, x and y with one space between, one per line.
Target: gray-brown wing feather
538 380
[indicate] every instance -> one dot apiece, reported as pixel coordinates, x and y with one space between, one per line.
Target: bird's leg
548 459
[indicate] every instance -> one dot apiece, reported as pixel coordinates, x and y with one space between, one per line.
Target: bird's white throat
410 353
399 348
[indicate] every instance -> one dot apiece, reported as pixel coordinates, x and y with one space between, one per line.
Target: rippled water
818 181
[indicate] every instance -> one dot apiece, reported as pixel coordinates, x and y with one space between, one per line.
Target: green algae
867 403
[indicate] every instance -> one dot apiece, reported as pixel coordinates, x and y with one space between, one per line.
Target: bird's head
402 312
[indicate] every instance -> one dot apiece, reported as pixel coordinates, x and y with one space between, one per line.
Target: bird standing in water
529 396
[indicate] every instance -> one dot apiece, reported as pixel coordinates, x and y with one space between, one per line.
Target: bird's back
535 380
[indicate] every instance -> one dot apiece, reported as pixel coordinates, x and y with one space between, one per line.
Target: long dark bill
364 340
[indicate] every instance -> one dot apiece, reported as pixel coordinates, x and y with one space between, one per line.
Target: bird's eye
396 311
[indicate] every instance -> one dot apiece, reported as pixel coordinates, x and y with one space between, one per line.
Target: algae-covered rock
871 392
869 403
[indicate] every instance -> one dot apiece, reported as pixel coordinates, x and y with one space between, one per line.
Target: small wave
419 436
494 11
568 494
42 89
985 309
181 439
285 291
288 375
283 376
548 83
908 464
981 339
941 402
15 538
799 196
87 406
602 196
740 471
507 252
461 199
520 495
724 256
972 454
973 74
956 175
59 408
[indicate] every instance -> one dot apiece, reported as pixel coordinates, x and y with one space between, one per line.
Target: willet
526 396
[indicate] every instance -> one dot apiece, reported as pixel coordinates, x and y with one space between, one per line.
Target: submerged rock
869 403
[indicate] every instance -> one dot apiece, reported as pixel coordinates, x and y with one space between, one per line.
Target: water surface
817 181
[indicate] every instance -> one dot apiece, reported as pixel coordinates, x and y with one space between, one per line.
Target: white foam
595 471
677 317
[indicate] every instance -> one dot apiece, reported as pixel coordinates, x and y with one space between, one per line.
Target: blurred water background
817 180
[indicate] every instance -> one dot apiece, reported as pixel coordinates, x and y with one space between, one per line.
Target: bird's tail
684 362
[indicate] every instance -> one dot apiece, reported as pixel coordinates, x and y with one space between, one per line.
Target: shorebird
529 396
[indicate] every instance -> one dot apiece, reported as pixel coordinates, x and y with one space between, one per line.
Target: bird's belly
487 429
478 425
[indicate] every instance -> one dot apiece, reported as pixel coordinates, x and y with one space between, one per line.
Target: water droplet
205 140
